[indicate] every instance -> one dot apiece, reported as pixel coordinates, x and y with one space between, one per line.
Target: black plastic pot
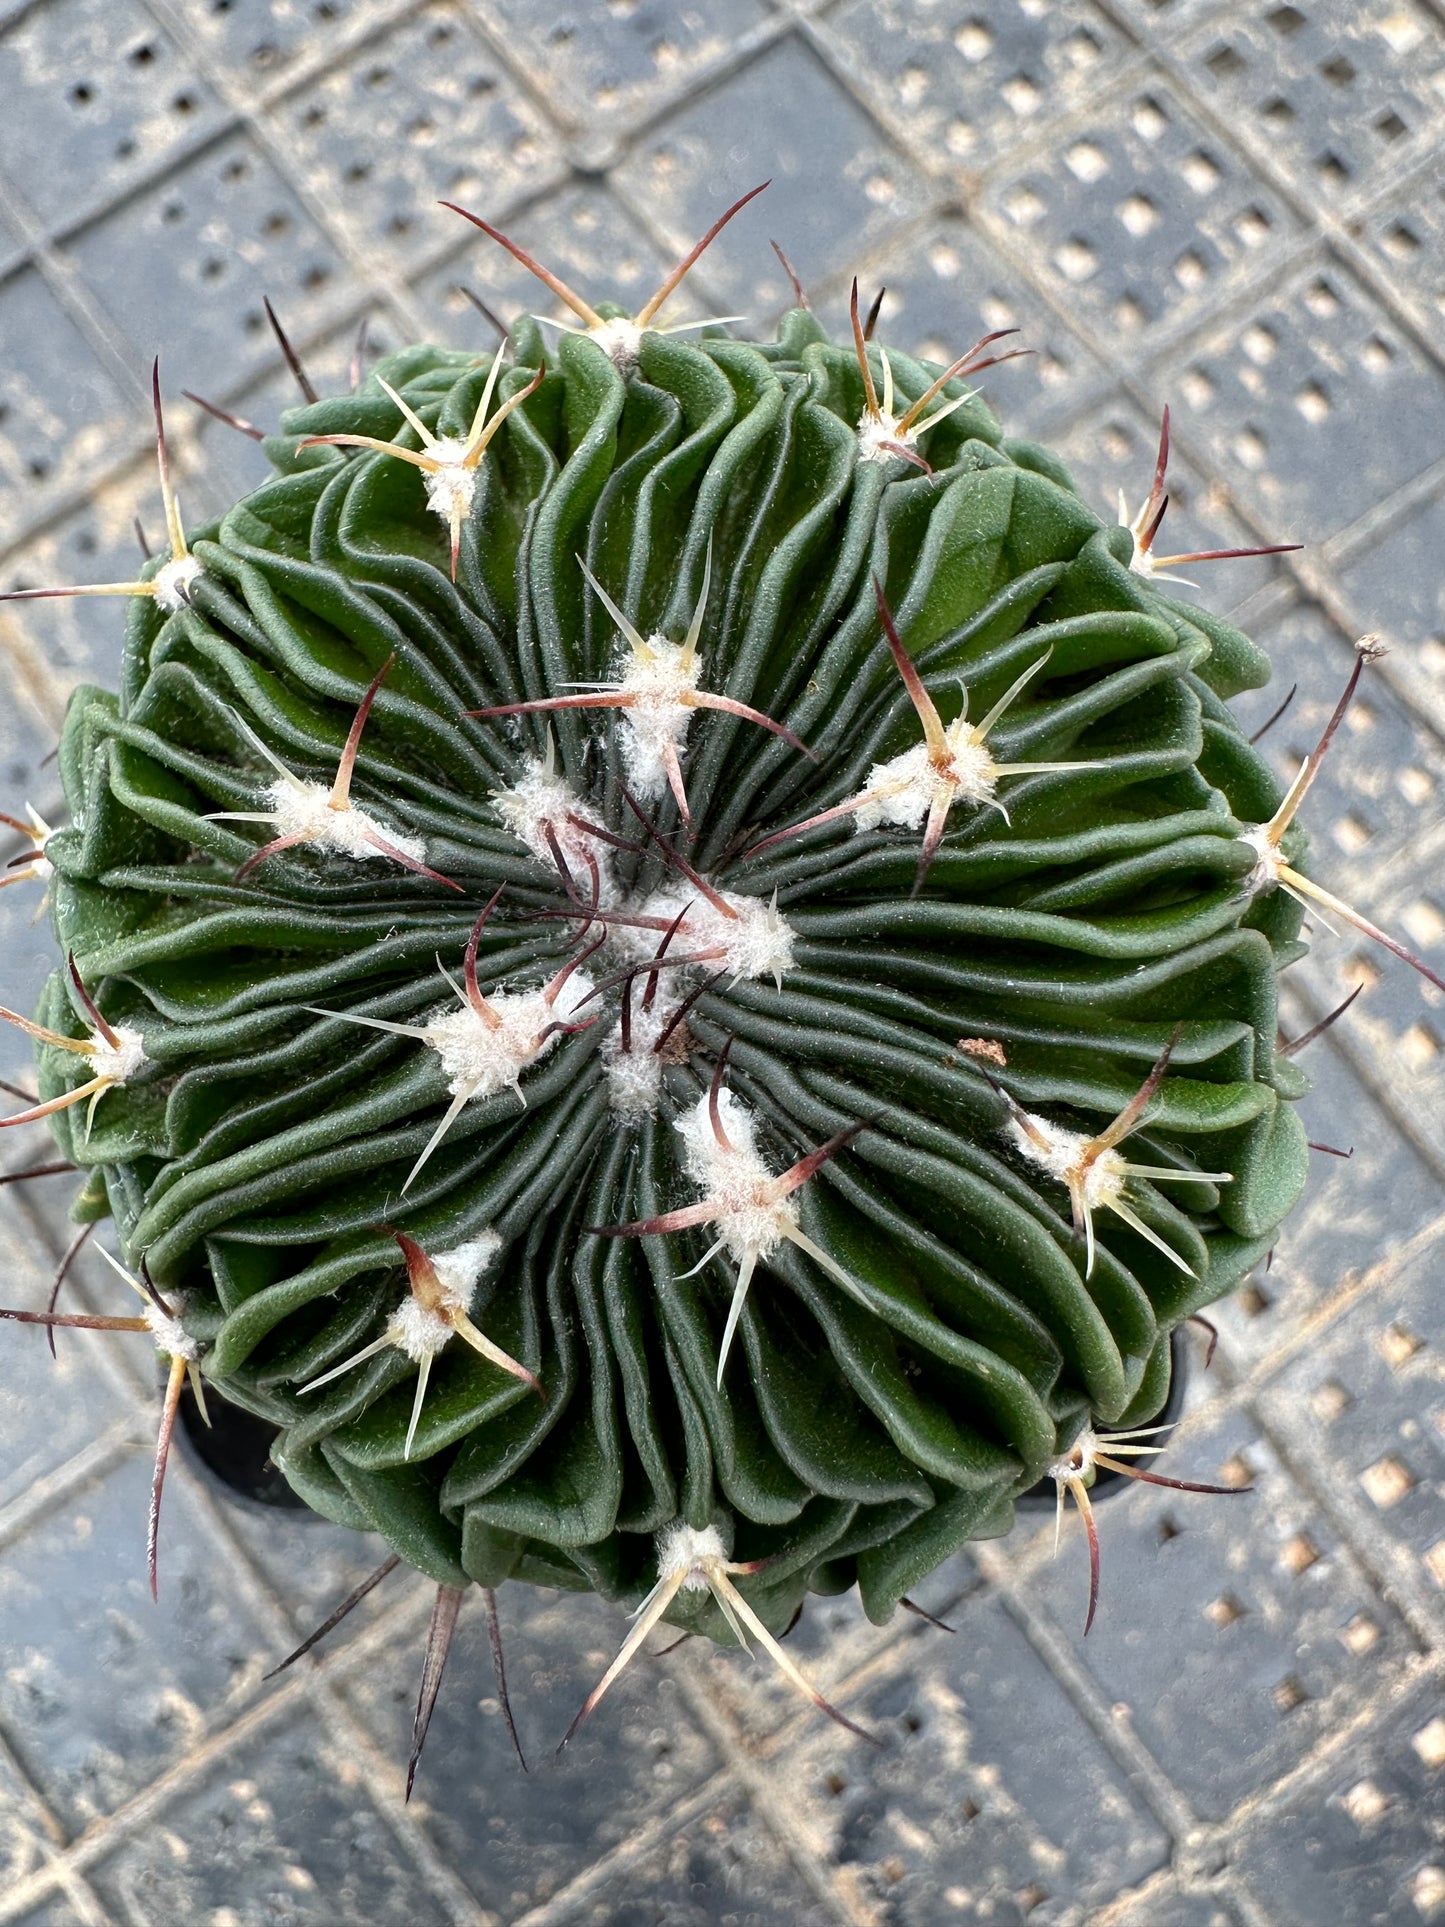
1044 1495
235 1448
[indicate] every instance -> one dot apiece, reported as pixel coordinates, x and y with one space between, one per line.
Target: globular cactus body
675 913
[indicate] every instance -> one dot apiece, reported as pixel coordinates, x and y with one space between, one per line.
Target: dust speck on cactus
538 884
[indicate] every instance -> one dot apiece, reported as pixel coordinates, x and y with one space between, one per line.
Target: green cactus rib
876 1412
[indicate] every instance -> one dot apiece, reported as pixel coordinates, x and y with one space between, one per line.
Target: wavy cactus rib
835 1042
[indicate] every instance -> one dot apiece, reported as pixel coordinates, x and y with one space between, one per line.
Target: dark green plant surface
874 1413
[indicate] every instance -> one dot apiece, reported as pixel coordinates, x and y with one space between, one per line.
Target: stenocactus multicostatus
669 962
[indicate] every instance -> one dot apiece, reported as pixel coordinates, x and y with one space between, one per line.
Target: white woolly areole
458 1270
169 1333
542 800
734 1179
1142 561
40 833
754 942
657 678
479 1059
118 1061
634 1077
171 583
683 1549
1061 1155
304 810
1078 1461
970 772
418 1332
451 485
874 431
1268 862
619 339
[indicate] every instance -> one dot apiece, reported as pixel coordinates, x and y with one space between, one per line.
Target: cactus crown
677 865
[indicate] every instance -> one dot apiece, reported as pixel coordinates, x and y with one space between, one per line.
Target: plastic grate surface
1308 378
191 244
605 67
423 112
322 1852
108 93
1362 1840
1138 216
964 81
263 42
1257 1669
1335 99
992 1784
846 187
60 411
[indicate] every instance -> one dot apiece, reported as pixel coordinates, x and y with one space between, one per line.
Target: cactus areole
673 985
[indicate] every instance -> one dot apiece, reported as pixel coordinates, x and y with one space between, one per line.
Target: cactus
540 884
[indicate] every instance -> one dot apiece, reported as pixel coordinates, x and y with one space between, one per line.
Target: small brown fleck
984 1047
1387 1481
1360 1635
679 1047
1398 1344
1300 1554
1289 1694
1365 1802
1224 1611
